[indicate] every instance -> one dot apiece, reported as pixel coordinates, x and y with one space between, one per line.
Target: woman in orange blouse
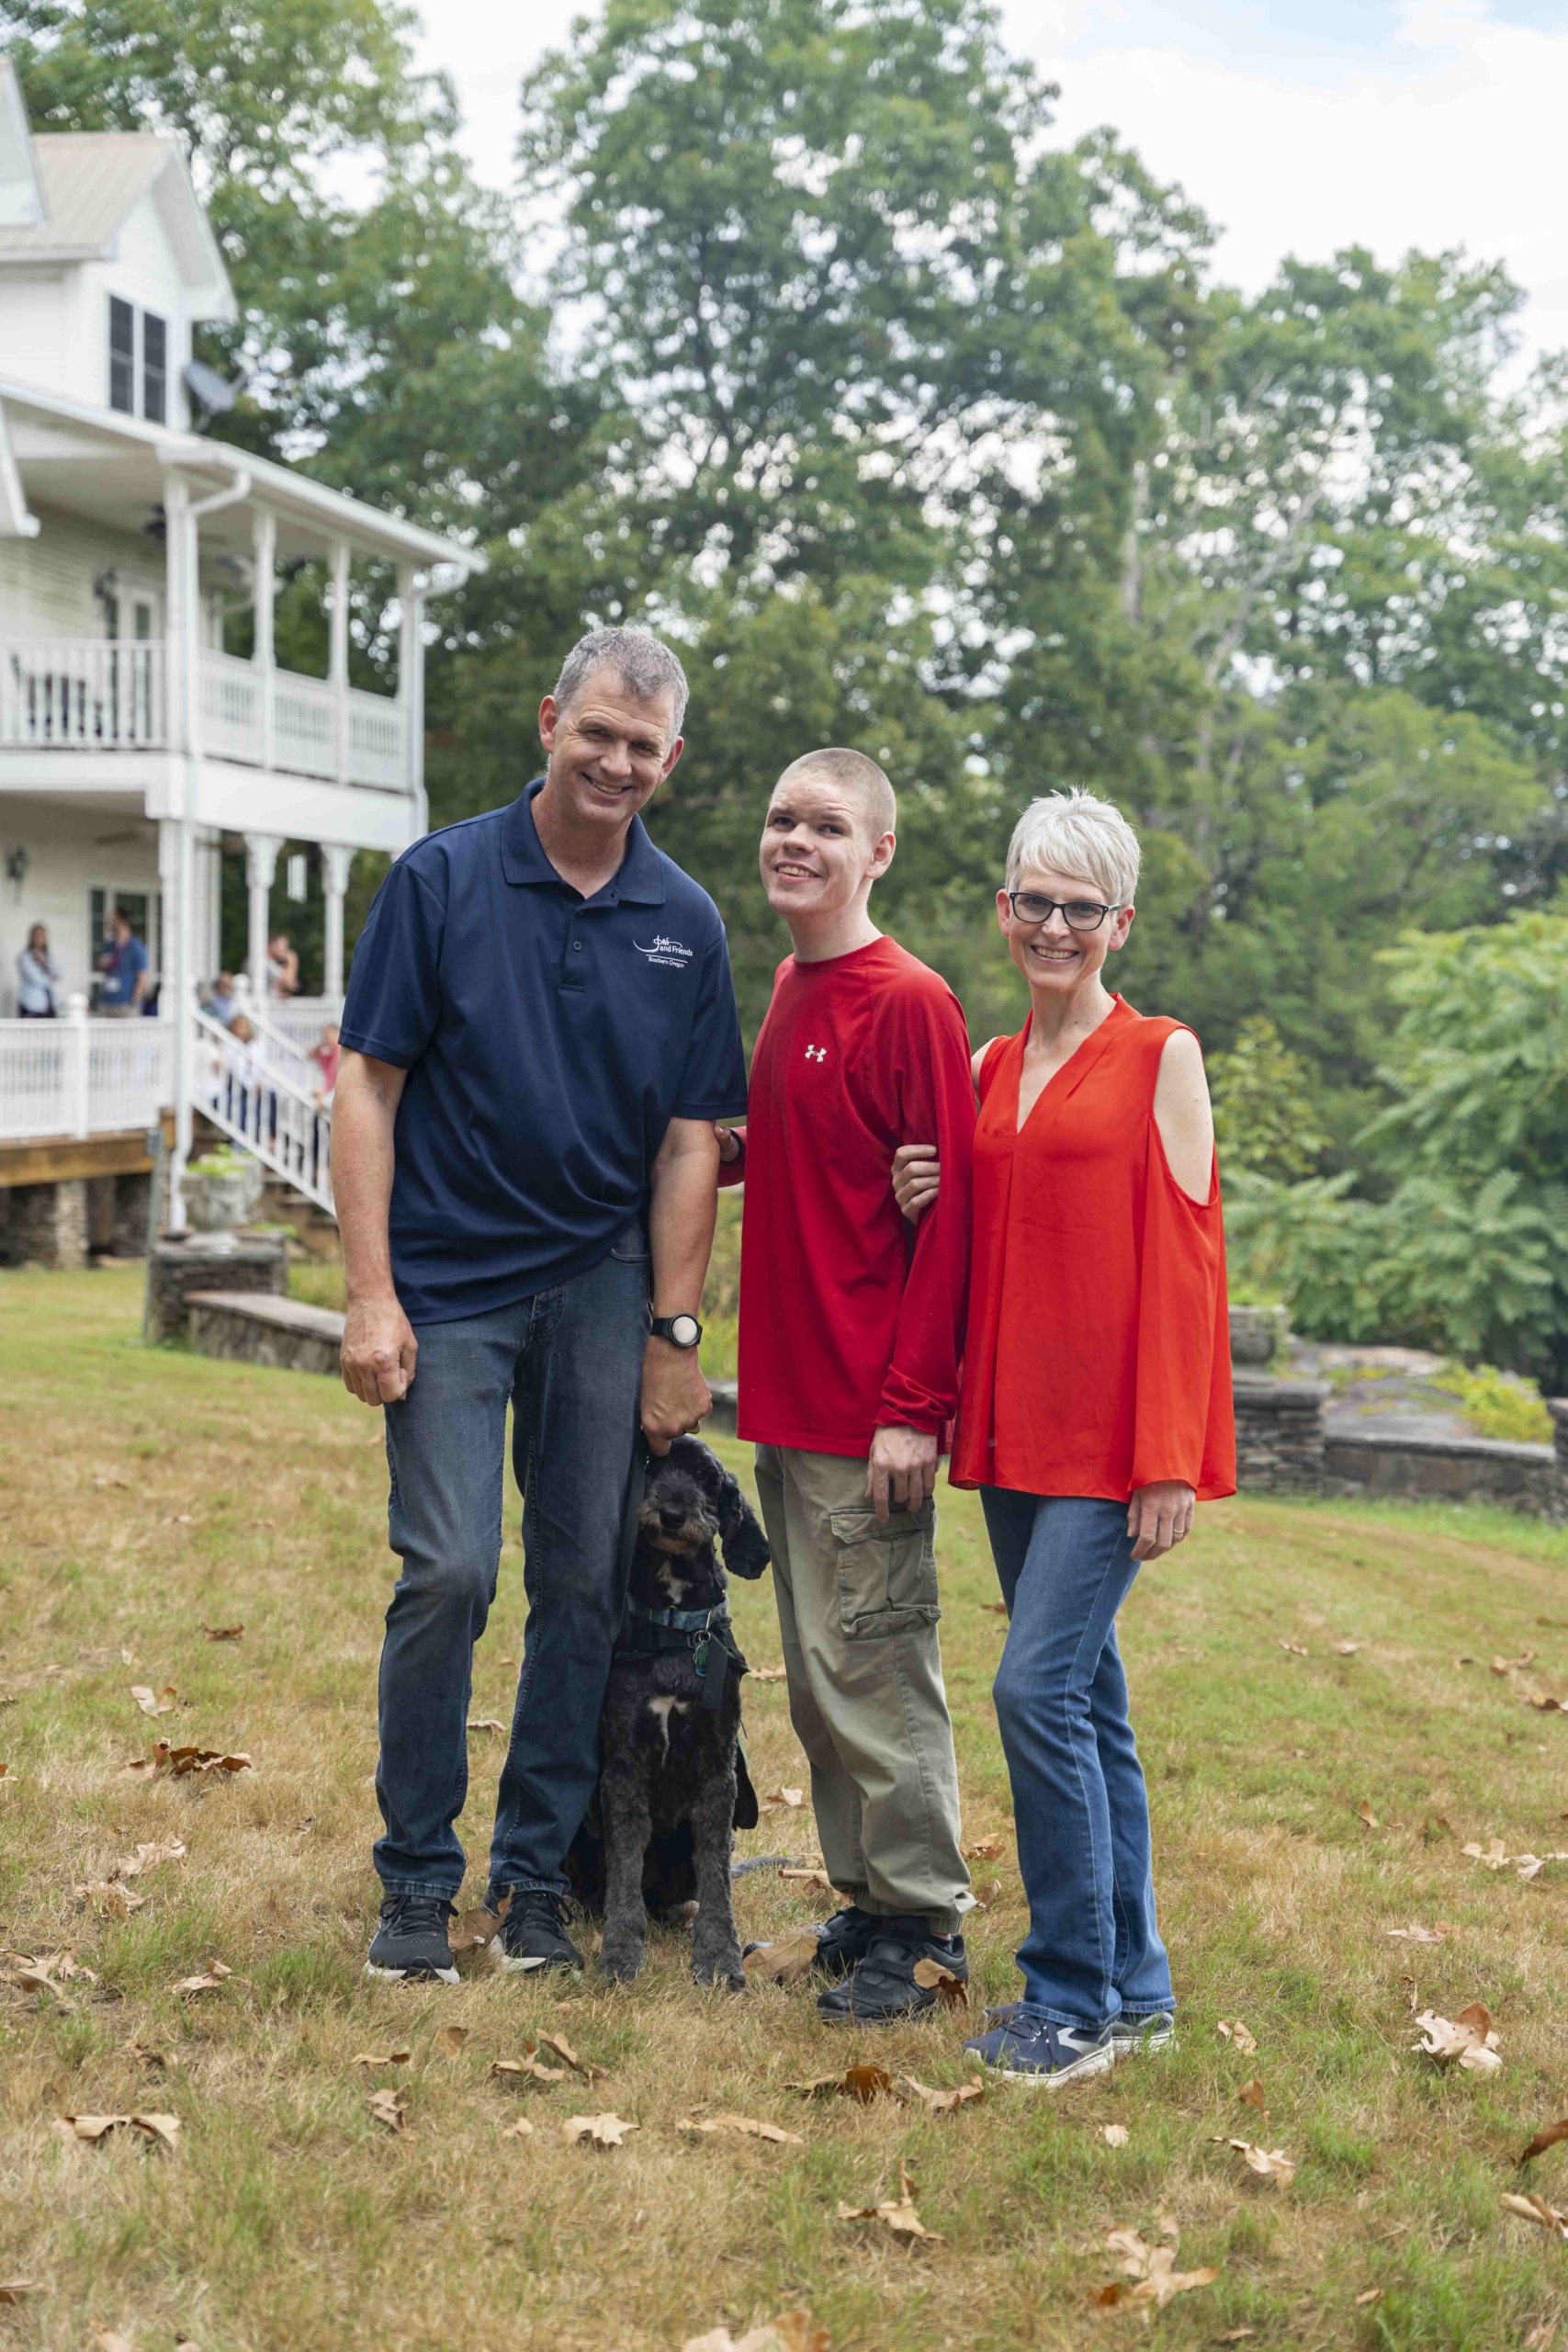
1095 1414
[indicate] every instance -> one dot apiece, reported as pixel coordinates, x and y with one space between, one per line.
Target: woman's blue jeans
1093 1952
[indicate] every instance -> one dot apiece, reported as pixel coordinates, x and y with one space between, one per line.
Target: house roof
87 183
95 462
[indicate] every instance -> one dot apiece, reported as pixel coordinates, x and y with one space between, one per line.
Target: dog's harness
706 1634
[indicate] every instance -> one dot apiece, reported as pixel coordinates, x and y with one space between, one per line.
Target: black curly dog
669 1733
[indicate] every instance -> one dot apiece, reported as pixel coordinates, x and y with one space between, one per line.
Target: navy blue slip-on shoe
1024 2048
881 1987
410 1943
532 1935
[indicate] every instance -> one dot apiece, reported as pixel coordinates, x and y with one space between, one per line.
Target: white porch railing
250 1101
81 1078
301 1019
95 694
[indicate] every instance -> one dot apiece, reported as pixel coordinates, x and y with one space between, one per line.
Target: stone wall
1479 1469
245 1329
255 1263
1279 1434
47 1225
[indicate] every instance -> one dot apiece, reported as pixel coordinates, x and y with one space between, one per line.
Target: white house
134 749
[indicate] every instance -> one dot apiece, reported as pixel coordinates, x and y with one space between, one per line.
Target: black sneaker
881 1986
410 1942
533 1934
843 1940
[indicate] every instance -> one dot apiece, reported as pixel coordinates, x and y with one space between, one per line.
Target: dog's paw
720 1967
621 1963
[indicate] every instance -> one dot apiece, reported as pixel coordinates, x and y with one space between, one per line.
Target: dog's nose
672 1519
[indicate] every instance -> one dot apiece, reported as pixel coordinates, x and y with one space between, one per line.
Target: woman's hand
917 1179
728 1143
1159 1517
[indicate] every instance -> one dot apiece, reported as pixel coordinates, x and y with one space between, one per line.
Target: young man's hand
900 1473
917 1179
674 1395
728 1145
1159 1517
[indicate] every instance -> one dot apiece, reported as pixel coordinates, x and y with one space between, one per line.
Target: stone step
246 1328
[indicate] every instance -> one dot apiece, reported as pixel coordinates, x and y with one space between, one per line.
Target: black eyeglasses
1078 914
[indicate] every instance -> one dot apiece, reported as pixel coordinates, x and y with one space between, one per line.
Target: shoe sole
1145 2045
521 1965
414 1975
1093 2061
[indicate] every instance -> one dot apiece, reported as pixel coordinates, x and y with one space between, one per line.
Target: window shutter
122 356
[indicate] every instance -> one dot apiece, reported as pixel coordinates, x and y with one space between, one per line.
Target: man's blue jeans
1093 1952
570 1362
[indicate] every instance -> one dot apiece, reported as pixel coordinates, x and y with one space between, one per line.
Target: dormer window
155 368
122 356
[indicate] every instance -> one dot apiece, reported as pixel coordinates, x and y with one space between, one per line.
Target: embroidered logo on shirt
668 952
816 1053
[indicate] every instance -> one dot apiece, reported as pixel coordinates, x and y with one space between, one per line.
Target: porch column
410 681
338 670
176 1004
261 865
335 863
263 560
176 529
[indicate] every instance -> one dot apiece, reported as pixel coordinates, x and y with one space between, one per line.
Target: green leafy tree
1263 1113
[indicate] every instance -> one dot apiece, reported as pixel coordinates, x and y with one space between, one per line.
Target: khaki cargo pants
858 1613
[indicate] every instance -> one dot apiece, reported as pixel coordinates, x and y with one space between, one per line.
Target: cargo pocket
886 1571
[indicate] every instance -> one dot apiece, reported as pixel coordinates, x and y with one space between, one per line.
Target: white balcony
77 1077
102 695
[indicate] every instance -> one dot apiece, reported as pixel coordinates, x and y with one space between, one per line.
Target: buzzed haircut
857 773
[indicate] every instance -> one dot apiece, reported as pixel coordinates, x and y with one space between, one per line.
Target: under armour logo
816 1053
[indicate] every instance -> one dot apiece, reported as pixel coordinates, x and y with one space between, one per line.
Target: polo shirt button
577 943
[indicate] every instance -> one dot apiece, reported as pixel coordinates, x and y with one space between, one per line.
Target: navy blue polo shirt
549 1039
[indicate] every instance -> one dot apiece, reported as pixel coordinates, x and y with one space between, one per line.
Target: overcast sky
1297 125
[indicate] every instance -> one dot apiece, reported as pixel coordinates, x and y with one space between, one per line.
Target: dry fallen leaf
952 1992
198 1759
1114 2134
986 1849
1270 2164
224 1632
210 1982
485 1722
94 2128
381 2058
1152 2270
784 1962
811 1875
769 1674
449 2041
1232 2030
747 2124
1252 2094
109 2339
863 2082
165 2128
937 2102
1367 1816
507 2070
1536 2208
1347 1649
1544 2138
791 2332
896 2213
16 2290
1414 1935
521 2130
471 1931
564 2051
1297 1649
783 1800
1507 1665
389 2108
1368 2296
601 2131
995 1608
1542 2338
1471 2038
155 1703
1496 1856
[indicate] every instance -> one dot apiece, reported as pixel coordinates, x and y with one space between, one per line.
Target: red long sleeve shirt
849 1322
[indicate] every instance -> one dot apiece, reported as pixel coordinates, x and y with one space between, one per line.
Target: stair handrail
285 1127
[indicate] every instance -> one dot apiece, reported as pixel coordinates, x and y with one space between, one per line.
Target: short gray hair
1076 833
645 666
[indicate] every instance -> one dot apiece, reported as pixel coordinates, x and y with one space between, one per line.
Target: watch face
684 1330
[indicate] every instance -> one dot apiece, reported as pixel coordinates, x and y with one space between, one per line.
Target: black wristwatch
680 1330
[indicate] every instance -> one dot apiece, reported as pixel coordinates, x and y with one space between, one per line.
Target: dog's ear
746 1551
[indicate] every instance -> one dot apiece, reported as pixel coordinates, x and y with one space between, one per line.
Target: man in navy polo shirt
539 1030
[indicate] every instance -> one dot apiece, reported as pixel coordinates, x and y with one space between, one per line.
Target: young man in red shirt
850 1330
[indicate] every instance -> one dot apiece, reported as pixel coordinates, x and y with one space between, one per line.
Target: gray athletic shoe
1033 2051
1132 2037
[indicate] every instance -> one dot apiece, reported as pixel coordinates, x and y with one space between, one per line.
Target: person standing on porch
124 966
849 1377
539 1032
37 979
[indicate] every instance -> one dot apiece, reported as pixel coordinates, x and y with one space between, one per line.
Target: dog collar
680 1620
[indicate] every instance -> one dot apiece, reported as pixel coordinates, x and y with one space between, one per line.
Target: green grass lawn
147 1496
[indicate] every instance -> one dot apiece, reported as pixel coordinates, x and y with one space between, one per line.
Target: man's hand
917 1179
674 1393
1160 1518
728 1145
901 1470
378 1350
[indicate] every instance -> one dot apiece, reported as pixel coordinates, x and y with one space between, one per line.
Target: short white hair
1075 832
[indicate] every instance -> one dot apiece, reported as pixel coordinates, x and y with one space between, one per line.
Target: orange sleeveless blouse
1098 1354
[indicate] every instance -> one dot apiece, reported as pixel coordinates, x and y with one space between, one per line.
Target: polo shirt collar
639 882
